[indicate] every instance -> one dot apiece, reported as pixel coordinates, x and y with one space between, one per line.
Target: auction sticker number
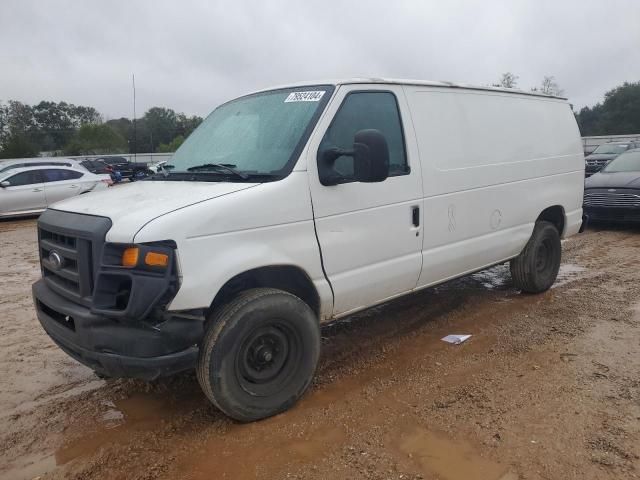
312 96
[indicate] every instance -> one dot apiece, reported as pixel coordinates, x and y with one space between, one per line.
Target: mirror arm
332 154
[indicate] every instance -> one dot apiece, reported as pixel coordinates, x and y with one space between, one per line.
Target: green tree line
64 128
618 114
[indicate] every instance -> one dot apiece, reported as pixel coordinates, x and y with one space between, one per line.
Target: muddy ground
548 387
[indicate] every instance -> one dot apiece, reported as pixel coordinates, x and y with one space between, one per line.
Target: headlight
152 257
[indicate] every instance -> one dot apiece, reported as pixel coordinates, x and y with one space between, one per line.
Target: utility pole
135 130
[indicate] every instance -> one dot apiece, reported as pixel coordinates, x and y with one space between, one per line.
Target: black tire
259 354
536 268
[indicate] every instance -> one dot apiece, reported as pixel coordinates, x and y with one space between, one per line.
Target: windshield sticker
313 96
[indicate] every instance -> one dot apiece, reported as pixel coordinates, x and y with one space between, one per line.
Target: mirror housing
370 156
5 184
370 160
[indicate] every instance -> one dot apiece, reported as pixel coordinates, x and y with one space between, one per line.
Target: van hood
133 205
613 180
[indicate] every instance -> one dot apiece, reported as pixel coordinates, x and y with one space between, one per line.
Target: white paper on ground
456 339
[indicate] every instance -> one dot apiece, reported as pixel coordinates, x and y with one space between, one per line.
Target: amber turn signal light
130 257
154 259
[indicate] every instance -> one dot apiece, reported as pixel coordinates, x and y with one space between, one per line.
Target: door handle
36 190
415 216
73 186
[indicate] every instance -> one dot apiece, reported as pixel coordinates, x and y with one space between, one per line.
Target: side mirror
5 184
370 156
370 160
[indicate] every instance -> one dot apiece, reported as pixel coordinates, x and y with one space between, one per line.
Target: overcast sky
192 55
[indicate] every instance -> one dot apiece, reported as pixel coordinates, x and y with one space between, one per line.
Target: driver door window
367 110
25 178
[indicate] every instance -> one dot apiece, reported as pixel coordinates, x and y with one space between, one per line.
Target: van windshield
256 135
627 162
614 148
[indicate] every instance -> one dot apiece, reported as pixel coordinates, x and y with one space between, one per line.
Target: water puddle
436 455
567 274
258 450
495 278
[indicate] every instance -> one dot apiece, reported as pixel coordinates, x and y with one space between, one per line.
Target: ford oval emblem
611 190
56 260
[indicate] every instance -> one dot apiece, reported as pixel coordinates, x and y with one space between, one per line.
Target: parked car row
604 154
613 194
118 167
29 185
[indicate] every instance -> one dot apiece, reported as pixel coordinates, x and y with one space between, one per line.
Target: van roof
426 83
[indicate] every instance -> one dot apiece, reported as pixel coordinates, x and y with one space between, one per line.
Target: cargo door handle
36 190
415 216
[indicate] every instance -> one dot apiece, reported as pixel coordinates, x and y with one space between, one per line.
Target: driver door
25 193
369 233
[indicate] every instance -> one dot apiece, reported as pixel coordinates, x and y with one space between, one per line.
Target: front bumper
612 214
119 347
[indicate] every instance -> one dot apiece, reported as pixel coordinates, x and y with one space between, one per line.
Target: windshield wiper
227 167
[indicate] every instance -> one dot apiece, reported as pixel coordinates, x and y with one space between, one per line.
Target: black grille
597 163
611 199
70 248
74 274
619 215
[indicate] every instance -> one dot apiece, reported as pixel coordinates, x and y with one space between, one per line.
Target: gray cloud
191 56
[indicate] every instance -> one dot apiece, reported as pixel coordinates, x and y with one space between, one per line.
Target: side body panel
56 191
491 162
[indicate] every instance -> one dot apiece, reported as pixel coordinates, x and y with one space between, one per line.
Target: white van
298 205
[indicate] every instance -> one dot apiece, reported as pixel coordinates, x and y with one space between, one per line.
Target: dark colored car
129 170
97 166
604 153
119 164
613 194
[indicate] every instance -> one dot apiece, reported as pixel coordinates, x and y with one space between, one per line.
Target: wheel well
284 277
554 215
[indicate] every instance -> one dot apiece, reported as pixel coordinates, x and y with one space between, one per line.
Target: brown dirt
548 387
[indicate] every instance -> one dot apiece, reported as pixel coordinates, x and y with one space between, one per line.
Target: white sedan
30 190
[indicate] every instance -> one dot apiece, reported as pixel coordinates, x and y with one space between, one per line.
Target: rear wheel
259 354
536 268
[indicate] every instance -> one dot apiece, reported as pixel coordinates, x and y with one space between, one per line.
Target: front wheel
536 268
259 354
